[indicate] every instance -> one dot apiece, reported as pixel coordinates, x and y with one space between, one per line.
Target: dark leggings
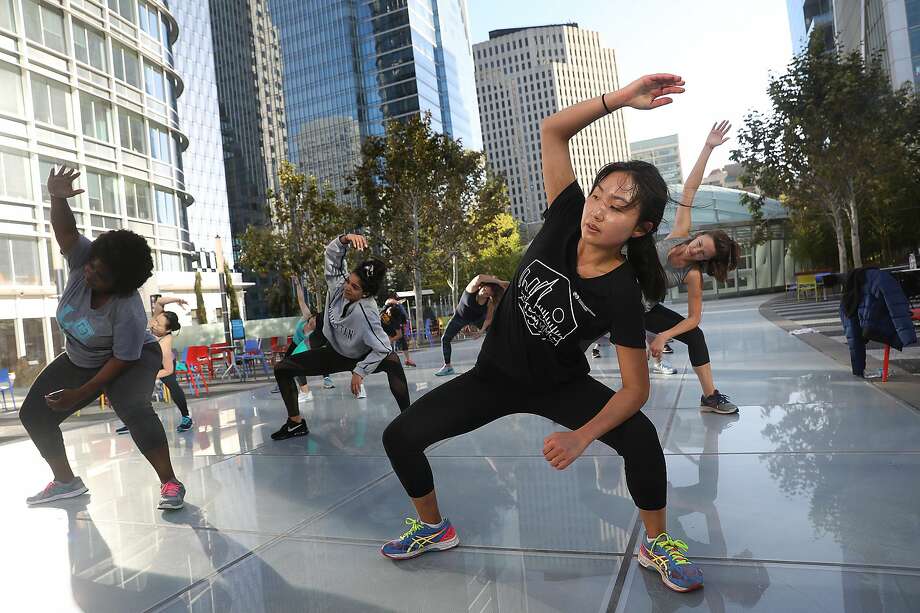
453 328
175 392
129 394
482 395
328 360
661 318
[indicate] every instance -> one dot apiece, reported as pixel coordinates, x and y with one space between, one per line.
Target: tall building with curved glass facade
350 65
93 85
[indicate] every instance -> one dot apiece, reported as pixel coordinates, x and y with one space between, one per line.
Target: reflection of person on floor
684 259
108 349
357 342
476 308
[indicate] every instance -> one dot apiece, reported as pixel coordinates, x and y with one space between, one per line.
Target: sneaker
717 403
667 557
327 383
595 353
411 363
362 393
419 538
305 397
122 430
57 491
172 496
663 368
184 425
290 429
445 370
667 348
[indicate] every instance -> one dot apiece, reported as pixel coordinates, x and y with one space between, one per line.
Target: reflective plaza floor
806 501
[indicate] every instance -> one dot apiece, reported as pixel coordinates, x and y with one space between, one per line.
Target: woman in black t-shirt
573 285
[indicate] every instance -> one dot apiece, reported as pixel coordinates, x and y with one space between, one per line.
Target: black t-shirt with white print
549 312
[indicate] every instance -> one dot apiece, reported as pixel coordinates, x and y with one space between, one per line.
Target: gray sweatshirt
353 329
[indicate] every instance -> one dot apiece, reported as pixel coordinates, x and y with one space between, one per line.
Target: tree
835 132
304 217
201 312
231 292
426 198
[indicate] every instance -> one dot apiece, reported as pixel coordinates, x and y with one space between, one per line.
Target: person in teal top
299 343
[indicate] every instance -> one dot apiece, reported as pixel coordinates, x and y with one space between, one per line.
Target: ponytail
643 257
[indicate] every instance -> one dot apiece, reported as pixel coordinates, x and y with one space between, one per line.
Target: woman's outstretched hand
355 240
60 182
652 91
718 134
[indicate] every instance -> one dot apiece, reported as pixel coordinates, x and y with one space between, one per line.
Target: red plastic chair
217 353
278 349
197 358
915 316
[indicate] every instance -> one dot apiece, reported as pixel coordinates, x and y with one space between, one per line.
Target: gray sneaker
172 496
444 371
58 491
717 403
327 383
663 368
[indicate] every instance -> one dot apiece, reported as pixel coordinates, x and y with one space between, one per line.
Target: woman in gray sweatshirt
351 324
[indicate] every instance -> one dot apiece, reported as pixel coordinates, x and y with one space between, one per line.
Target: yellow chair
805 283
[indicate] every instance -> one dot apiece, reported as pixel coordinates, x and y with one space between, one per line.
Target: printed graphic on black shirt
545 300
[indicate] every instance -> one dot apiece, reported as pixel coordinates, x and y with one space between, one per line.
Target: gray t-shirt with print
92 336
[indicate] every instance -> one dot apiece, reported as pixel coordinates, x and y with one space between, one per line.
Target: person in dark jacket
874 308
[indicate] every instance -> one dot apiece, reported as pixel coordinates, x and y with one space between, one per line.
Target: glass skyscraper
351 65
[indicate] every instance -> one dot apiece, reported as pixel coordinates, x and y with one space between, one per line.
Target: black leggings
482 395
130 395
661 318
175 392
451 330
328 360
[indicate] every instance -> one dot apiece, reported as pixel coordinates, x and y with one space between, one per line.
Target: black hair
650 192
371 273
127 256
172 321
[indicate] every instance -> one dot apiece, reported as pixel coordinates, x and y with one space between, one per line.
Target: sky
724 49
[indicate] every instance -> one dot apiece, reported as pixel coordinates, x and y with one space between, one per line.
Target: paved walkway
807 501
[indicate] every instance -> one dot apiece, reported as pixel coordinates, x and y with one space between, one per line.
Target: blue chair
252 352
6 385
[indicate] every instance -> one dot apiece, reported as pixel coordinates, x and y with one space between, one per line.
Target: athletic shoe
290 429
411 363
419 538
595 353
276 390
667 348
667 557
122 430
445 370
327 383
717 403
362 393
57 491
184 425
305 396
172 496
663 368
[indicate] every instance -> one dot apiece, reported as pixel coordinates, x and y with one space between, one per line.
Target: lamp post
219 252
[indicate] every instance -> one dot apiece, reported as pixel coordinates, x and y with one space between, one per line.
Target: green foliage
231 293
201 312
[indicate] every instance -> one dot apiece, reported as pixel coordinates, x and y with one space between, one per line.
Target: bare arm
557 130
694 282
477 282
162 301
60 186
166 348
682 221
304 308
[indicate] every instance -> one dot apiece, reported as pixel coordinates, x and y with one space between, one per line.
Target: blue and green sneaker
666 555
419 538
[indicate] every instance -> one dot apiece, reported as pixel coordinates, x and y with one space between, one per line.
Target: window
154 83
166 207
6 15
19 261
101 193
11 85
49 101
170 262
125 8
150 21
33 332
89 46
15 175
44 25
159 144
95 114
126 65
131 131
137 195
8 352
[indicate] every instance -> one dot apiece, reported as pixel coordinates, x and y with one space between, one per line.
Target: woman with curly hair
108 349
